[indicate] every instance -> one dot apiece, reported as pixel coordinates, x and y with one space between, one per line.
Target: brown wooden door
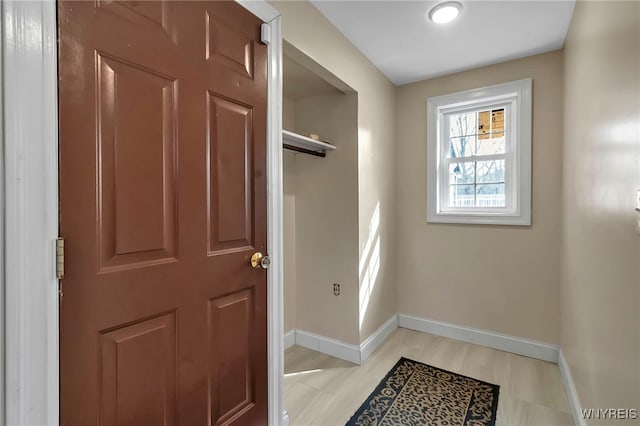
162 203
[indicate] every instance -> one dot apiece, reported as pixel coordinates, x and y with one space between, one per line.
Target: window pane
462 124
490 121
484 124
461 196
479 183
490 195
464 146
490 171
462 173
493 143
497 120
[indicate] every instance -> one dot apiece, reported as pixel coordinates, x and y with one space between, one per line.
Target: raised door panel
231 381
230 165
228 46
136 164
151 15
138 369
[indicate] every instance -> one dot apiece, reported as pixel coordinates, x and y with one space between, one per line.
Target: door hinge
59 257
265 33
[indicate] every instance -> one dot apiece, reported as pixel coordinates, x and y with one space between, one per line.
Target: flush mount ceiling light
445 12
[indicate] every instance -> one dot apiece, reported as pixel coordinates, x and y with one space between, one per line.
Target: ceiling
399 38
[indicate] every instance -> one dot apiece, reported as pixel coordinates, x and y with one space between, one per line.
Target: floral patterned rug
413 393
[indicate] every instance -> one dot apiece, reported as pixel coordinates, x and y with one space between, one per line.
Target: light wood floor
322 390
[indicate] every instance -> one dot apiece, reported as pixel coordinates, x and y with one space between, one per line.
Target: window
479 155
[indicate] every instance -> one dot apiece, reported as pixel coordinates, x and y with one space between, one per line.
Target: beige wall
309 31
288 114
326 219
499 278
289 219
289 240
601 250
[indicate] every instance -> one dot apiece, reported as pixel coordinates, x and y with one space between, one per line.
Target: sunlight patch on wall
616 161
369 264
373 232
365 149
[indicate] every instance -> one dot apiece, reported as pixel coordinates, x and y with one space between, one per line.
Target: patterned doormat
413 393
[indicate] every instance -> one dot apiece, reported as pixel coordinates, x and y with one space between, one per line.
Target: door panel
162 203
228 46
146 14
136 164
138 366
232 365
230 142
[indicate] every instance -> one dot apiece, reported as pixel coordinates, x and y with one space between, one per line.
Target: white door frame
29 194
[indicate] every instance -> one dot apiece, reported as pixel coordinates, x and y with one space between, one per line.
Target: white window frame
516 97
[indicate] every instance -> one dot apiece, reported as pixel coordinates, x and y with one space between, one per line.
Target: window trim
518 95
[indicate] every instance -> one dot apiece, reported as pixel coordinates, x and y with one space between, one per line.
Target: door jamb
30 128
29 393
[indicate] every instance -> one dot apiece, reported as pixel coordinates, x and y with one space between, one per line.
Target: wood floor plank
322 390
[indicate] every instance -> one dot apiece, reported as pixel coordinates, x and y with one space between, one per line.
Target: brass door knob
258 260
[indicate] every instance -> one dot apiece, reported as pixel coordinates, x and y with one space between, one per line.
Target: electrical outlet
336 289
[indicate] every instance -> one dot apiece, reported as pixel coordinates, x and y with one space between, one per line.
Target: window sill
479 219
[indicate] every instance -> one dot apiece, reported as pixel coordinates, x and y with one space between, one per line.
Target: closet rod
304 151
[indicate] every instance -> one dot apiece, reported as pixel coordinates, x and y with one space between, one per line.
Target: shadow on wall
369 267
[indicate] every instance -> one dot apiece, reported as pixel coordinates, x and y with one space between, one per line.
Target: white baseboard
289 339
377 338
503 342
329 346
338 349
570 388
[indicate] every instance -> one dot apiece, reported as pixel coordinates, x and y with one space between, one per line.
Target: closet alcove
320 200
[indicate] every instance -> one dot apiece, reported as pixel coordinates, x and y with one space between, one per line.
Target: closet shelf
298 143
